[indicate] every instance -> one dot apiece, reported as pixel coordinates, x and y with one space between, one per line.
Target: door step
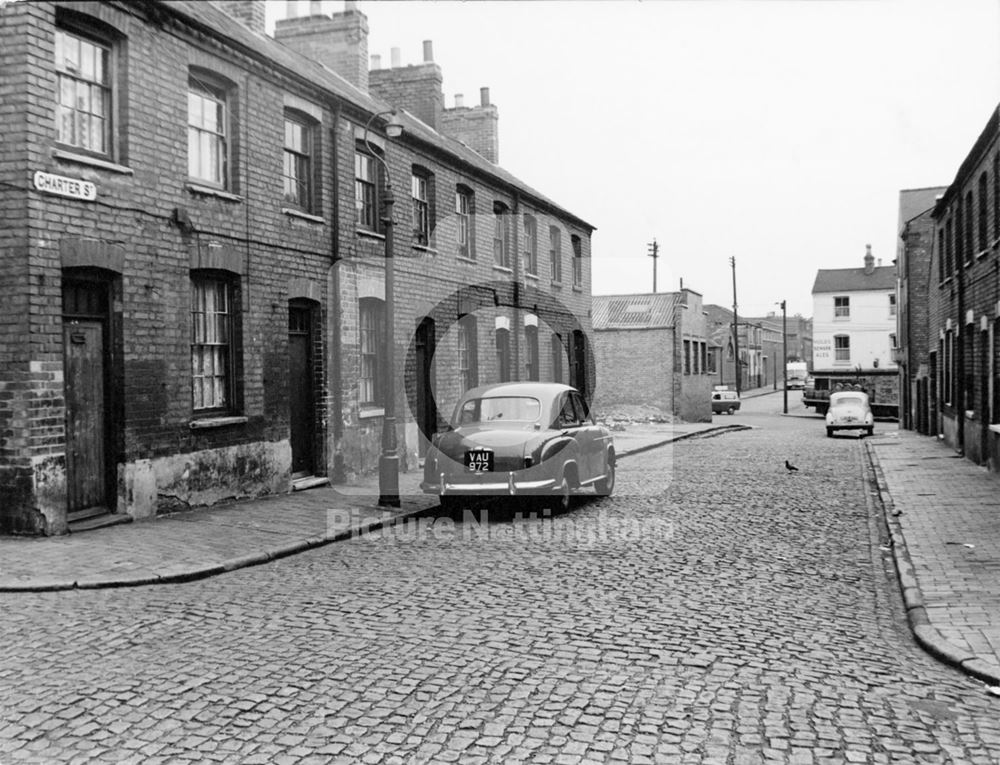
98 522
309 482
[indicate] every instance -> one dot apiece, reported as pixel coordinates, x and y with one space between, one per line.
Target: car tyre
606 485
562 501
870 431
829 432
451 505
730 410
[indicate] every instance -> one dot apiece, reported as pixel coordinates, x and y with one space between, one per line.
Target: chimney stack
338 42
459 100
376 61
416 88
476 127
869 260
250 13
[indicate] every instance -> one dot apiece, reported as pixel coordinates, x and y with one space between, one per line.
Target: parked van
727 401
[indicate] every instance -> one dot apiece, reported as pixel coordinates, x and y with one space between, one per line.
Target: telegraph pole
736 329
784 351
654 253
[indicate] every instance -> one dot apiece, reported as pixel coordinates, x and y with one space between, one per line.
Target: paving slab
943 512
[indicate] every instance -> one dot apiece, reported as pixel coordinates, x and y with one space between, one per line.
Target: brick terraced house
193 258
913 261
963 369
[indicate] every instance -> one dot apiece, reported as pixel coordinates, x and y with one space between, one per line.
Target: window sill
556 284
217 422
83 159
577 288
946 281
366 234
529 275
982 254
970 414
366 414
293 213
995 429
841 318
208 191
424 249
466 259
503 269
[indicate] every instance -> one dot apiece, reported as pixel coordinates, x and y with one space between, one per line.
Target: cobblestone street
716 609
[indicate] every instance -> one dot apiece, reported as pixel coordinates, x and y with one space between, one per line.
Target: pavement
943 514
208 541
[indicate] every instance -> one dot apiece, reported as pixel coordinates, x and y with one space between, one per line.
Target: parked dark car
522 439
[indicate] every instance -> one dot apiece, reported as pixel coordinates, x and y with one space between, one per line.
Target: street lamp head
394 125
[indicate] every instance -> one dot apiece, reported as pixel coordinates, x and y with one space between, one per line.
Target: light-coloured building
854 317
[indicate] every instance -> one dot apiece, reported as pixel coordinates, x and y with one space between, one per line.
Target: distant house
913 260
653 350
854 317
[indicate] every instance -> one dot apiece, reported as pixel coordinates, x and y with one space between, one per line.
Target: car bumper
506 484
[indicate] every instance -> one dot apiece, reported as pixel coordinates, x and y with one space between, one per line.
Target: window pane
86 60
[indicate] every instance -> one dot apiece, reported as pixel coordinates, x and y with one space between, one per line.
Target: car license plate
479 461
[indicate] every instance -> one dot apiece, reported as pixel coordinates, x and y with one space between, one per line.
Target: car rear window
850 401
499 409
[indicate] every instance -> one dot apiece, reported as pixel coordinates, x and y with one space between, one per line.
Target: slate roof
915 202
649 311
854 279
297 66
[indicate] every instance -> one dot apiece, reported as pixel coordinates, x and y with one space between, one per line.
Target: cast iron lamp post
388 461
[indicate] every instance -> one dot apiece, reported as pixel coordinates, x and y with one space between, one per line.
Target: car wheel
870 431
607 484
450 505
829 432
562 501
730 410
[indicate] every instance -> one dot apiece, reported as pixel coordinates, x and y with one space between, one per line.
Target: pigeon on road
790 467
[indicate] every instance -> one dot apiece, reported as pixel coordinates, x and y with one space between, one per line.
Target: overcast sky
778 132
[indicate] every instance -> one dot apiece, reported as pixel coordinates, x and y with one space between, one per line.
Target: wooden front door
300 393
426 407
86 416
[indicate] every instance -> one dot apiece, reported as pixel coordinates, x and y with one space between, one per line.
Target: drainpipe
518 289
335 412
960 346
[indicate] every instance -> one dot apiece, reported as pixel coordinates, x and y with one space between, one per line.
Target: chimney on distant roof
339 42
250 13
476 127
869 259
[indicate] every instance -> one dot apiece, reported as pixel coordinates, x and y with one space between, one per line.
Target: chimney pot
428 52
315 8
292 9
376 61
350 6
459 103
484 96
396 57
